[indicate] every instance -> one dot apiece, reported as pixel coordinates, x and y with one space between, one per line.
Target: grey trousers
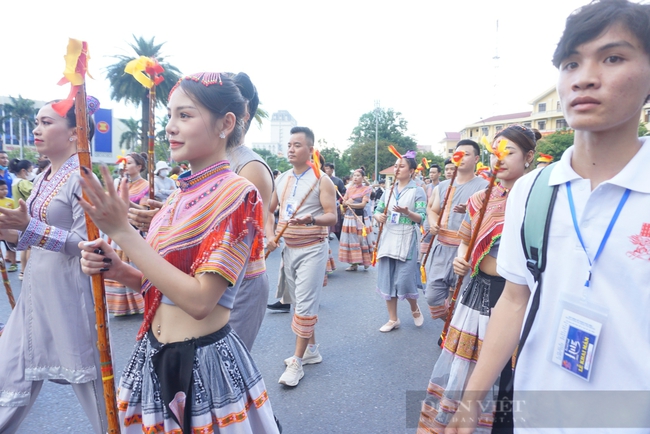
249 308
90 396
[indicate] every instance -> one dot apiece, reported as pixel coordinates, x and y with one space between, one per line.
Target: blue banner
104 130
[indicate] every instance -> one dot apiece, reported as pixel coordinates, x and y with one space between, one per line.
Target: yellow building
546 116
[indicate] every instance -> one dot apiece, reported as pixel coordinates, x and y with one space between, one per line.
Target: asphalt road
368 382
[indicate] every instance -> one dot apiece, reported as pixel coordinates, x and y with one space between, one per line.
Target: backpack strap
534 237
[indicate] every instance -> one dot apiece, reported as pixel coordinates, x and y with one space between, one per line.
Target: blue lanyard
295 186
607 232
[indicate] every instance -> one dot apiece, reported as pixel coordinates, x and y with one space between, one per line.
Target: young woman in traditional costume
398 274
354 247
51 333
121 300
470 319
189 370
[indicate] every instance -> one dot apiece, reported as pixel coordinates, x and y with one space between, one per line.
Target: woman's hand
461 266
271 245
465 420
141 218
107 209
381 218
17 219
9 235
98 257
404 210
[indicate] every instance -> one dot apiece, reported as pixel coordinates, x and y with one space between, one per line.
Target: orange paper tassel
423 274
374 258
394 151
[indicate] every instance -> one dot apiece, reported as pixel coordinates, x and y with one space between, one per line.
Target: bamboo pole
99 295
381 225
468 254
152 132
5 280
295 213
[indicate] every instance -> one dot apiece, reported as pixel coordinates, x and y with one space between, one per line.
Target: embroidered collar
188 180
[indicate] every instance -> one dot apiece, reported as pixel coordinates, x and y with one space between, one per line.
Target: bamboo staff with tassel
393 151
500 152
456 158
99 294
315 166
148 72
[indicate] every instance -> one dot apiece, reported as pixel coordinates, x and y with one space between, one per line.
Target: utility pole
377 109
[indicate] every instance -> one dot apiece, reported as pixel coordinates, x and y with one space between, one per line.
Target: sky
325 62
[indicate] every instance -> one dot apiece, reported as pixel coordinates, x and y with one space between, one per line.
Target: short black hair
309 134
330 165
468 142
589 22
435 166
448 161
2 182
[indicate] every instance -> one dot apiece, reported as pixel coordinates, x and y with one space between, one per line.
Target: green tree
260 115
391 129
333 155
22 111
28 154
555 144
643 129
274 162
132 136
125 88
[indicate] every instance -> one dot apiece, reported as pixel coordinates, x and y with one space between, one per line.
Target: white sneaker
292 374
309 358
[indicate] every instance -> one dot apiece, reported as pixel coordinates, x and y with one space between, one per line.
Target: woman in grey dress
51 333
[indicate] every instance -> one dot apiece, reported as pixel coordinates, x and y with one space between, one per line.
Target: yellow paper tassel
363 232
342 209
423 274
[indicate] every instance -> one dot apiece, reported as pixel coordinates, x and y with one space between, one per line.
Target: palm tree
132 134
260 115
22 111
125 87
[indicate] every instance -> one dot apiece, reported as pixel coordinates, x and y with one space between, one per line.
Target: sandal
352 267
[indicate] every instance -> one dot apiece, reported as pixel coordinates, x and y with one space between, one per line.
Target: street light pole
376 136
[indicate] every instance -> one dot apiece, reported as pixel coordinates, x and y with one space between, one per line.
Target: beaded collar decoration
46 191
188 179
205 78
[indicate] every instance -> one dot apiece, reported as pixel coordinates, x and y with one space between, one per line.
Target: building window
498 128
541 107
559 106
541 125
528 124
485 130
450 150
647 116
560 124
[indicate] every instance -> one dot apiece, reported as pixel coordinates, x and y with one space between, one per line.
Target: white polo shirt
620 282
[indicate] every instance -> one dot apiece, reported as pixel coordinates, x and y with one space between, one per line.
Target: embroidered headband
205 78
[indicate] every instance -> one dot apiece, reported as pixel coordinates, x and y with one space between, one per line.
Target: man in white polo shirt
591 331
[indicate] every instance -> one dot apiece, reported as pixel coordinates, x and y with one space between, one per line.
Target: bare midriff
489 265
172 324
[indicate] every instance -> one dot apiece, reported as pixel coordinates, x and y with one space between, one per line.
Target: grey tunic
51 333
250 303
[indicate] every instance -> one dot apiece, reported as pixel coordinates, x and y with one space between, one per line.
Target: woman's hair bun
248 91
538 135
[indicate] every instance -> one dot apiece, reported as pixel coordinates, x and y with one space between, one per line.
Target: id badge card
290 209
394 218
579 327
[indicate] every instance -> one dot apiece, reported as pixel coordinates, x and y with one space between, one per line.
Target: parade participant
248 310
122 300
163 185
173 174
329 168
22 189
597 235
439 268
397 269
8 203
449 168
51 333
434 177
355 248
4 171
189 370
469 321
305 254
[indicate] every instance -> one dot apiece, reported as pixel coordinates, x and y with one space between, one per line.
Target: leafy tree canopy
274 162
555 144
